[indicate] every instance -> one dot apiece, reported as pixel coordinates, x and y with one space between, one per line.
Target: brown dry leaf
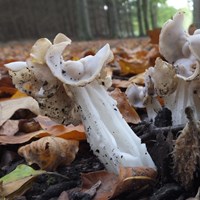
122 52
7 92
66 132
10 127
29 126
127 111
138 79
133 66
154 35
153 54
50 152
117 83
113 185
9 107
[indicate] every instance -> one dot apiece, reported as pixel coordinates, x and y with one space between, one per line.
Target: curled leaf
50 152
18 181
129 179
58 130
9 107
128 112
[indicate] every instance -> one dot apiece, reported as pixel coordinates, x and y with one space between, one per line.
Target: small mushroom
172 39
113 141
177 80
35 79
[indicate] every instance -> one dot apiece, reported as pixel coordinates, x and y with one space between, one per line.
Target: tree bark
83 22
196 13
153 13
113 18
139 17
145 14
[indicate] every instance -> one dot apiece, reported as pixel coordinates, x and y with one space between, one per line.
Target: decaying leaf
138 79
186 152
18 181
6 92
154 35
128 112
117 83
66 132
9 107
50 152
133 66
10 127
113 185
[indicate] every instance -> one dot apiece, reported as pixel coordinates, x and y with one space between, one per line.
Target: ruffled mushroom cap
77 73
164 77
173 39
39 50
194 44
35 79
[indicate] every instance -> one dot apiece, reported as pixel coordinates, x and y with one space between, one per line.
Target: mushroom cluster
80 86
177 79
35 79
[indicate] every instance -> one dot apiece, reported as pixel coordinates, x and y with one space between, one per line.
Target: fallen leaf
112 185
77 193
18 181
138 79
127 111
153 54
66 132
133 66
9 107
10 127
6 92
154 35
117 83
18 94
50 152
29 126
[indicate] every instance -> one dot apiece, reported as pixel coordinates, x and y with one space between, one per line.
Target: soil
49 187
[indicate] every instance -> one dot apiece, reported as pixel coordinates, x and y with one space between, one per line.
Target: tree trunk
153 13
196 13
113 21
84 31
145 14
139 17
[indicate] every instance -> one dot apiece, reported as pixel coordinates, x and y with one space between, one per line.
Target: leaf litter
132 58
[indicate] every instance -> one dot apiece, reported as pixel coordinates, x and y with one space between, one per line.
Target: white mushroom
35 78
177 80
173 39
110 137
136 95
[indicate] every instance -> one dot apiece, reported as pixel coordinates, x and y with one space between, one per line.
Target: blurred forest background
86 19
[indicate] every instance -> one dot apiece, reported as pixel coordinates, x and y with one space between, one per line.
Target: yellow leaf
18 181
18 94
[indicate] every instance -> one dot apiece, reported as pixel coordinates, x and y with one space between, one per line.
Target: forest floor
132 58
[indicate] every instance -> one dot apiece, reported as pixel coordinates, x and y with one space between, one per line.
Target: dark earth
158 138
